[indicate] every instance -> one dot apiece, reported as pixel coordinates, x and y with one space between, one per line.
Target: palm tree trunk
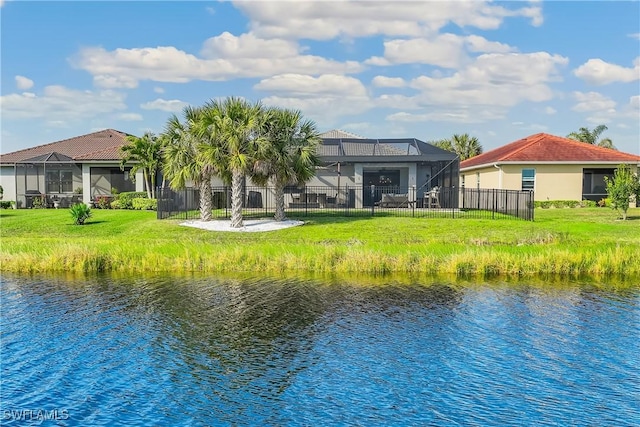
280 214
236 199
153 186
205 200
146 182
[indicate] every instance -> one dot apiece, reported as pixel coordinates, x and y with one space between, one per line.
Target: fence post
495 203
373 192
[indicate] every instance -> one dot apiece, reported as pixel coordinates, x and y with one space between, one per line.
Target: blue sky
499 71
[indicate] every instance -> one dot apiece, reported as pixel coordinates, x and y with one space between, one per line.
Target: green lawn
567 242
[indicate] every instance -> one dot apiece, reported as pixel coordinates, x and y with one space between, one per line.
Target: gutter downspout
495 165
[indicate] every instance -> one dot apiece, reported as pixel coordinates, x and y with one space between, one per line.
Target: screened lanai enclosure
405 166
56 180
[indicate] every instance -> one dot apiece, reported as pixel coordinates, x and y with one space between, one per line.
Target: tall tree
290 154
236 124
584 134
183 156
145 153
463 145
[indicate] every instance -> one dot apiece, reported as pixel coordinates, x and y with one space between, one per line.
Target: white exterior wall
8 182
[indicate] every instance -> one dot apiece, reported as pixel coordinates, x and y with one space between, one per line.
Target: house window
59 181
528 179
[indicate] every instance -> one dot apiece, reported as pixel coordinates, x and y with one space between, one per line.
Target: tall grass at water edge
564 242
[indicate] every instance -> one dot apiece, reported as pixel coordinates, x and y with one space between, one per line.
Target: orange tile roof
101 145
543 147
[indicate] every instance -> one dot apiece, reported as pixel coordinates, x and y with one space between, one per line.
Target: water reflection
209 351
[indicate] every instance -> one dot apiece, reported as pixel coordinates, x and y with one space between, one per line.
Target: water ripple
201 351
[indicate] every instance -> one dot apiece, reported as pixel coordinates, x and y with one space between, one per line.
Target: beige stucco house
555 168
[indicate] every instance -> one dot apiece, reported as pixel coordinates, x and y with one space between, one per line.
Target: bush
588 204
103 202
604 203
80 213
6 205
38 202
145 204
116 204
546 204
125 199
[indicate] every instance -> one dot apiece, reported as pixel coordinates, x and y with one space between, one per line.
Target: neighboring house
555 168
87 164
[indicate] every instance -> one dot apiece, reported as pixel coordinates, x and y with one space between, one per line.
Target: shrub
80 213
604 203
588 204
145 204
103 202
116 204
6 204
38 202
125 198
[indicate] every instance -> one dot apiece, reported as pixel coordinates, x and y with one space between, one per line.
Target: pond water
301 352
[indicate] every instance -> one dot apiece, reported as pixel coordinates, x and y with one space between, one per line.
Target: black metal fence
354 201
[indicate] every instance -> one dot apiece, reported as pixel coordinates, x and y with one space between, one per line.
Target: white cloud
114 81
23 83
253 58
323 108
599 72
328 20
158 89
172 106
324 98
495 79
444 50
480 44
550 110
62 104
228 46
634 102
130 117
456 115
592 101
382 81
634 36
299 85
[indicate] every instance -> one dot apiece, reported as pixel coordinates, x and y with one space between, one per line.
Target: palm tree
183 158
145 152
290 157
463 145
584 134
235 124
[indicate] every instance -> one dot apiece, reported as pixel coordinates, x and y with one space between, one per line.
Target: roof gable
340 134
101 145
547 148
